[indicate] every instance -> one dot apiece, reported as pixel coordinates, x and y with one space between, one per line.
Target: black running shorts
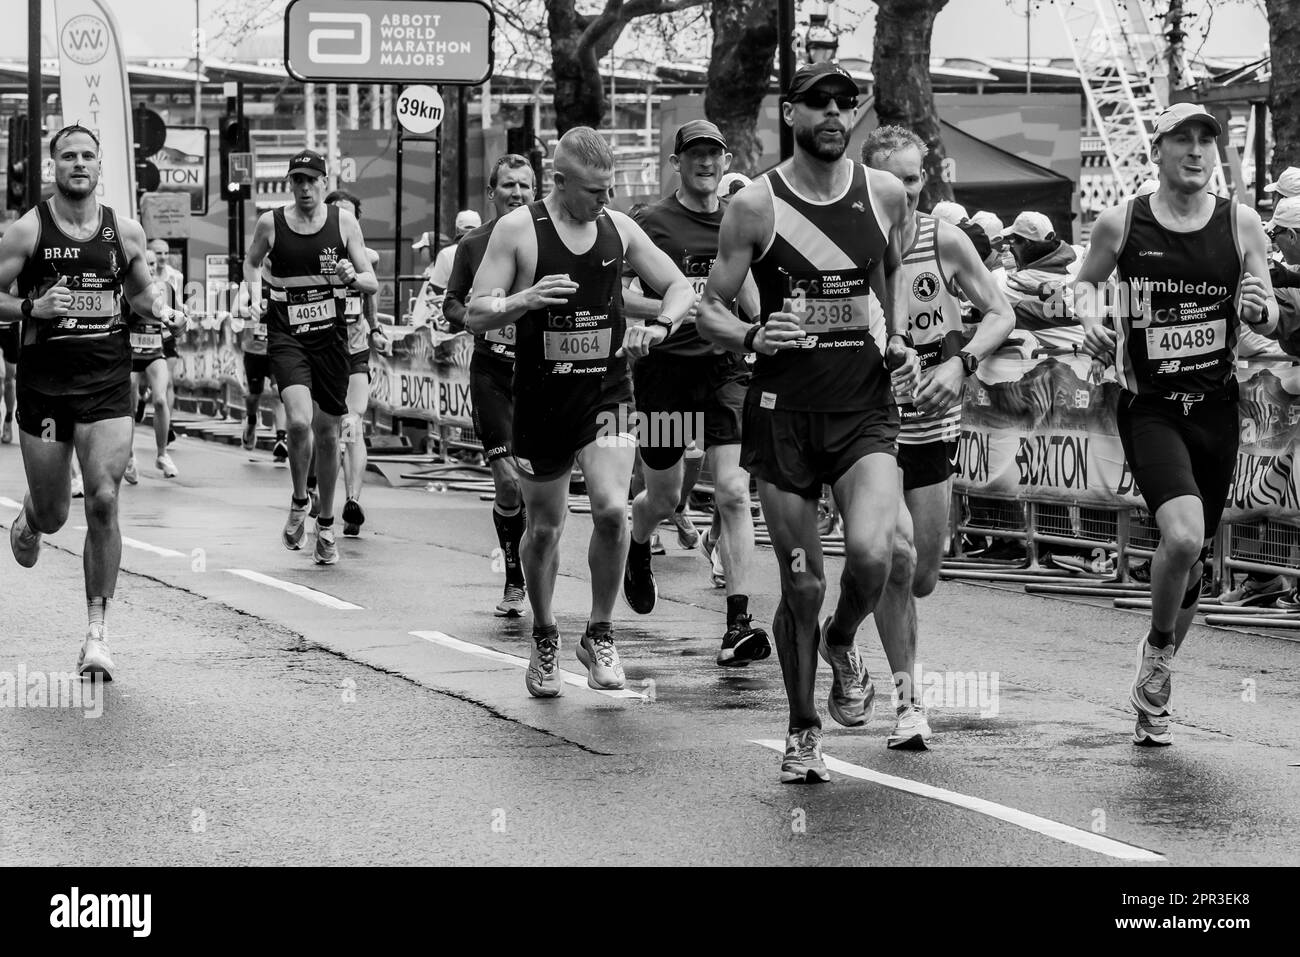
688 398
359 364
927 464
545 447
800 452
1177 448
257 369
169 347
9 339
42 415
322 367
142 365
493 403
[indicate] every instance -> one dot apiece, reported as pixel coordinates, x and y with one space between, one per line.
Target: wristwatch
660 320
968 362
27 308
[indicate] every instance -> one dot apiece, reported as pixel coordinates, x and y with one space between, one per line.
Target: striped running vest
818 263
934 320
307 299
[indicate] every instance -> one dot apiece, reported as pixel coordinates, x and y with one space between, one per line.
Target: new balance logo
1168 366
562 368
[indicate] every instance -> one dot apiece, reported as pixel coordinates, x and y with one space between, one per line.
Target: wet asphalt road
251 725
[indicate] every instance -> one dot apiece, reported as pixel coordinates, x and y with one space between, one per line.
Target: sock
546 631
510 530
639 549
599 627
737 605
96 609
1160 639
281 435
323 522
834 638
300 502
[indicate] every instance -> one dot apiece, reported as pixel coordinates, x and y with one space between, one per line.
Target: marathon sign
403 41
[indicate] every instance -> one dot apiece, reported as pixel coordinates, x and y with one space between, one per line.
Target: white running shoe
95 658
911 730
598 655
710 549
327 551
295 528
25 543
166 465
132 474
1152 685
543 678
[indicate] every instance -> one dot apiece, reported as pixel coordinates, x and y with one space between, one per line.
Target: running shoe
639 588
1289 602
597 654
1149 696
139 409
295 528
1255 590
7 432
1075 562
543 678
95 658
327 551
710 550
743 643
802 763
78 487
171 436
911 730
688 536
166 465
314 509
657 546
132 474
250 434
511 604
280 453
25 543
852 690
353 517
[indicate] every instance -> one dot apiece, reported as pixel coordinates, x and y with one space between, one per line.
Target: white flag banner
94 90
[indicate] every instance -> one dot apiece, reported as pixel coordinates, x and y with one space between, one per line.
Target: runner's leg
298 421
325 428
547 503
159 384
102 450
607 470
354 452
868 499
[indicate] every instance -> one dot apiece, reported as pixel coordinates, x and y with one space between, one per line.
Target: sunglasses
819 99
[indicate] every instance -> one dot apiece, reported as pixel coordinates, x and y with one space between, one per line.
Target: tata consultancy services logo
84 39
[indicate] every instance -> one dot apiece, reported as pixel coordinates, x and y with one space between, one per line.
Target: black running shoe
280 454
353 517
639 588
743 643
139 409
171 436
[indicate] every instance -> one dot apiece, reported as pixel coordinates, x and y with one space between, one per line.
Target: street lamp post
820 45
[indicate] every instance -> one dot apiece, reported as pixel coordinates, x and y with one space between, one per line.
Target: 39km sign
419 109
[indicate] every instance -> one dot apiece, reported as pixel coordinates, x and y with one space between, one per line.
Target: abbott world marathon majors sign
378 41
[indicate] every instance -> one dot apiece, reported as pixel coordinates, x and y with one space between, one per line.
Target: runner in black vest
689 386
317 256
1191 267
75 261
573 394
817 230
510 186
148 358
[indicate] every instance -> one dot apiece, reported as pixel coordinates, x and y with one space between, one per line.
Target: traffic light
16 194
150 136
233 140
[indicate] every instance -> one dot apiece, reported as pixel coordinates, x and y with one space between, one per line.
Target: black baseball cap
308 161
827 74
697 131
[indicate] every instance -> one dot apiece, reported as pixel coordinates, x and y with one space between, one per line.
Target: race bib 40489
1184 341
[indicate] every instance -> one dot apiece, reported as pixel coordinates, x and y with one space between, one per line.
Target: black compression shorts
493 403
257 369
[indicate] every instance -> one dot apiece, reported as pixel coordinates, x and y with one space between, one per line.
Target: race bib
93 303
505 335
1182 342
352 308
821 317
310 307
257 329
146 341
576 345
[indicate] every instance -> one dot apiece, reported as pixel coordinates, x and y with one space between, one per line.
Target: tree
1284 89
904 96
740 69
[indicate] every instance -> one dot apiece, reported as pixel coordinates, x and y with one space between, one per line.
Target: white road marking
143 546
578 681
1032 822
302 591
10 503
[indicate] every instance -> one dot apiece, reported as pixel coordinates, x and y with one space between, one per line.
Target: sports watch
659 320
969 362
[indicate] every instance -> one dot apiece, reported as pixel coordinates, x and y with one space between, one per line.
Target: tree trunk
904 96
451 161
740 70
1284 95
579 96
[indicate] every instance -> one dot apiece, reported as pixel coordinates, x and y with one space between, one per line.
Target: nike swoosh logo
609 261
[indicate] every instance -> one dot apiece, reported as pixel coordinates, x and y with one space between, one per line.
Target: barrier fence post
1222 546
1030 512
1123 516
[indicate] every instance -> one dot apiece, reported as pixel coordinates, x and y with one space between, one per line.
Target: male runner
316 253
166 272
817 230
257 369
573 394
363 329
940 265
1192 268
491 367
686 379
75 260
148 359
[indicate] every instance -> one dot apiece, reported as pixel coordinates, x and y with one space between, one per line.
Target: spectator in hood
1040 287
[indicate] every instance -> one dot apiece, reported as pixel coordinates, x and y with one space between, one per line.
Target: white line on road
302 591
10 503
1032 822
142 546
578 681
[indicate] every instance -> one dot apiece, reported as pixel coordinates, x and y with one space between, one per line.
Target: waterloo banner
94 92
1039 430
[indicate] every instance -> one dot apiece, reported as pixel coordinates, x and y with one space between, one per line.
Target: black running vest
690 239
1177 324
818 264
88 349
307 299
497 346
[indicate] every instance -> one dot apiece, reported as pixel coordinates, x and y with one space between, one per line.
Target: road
382 717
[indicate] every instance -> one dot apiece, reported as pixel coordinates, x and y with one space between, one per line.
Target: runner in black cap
316 254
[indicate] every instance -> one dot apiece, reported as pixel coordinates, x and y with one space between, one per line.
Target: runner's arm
263 234
656 269
458 287
1090 285
364 281
978 285
490 306
146 297
16 248
742 225
1256 293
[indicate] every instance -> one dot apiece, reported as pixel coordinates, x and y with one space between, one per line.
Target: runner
573 391
257 369
688 386
1192 268
75 261
9 335
168 273
510 186
941 264
817 230
363 329
148 361
316 253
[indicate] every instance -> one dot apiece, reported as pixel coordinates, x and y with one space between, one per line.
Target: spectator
428 309
1287 185
1284 230
949 212
1039 289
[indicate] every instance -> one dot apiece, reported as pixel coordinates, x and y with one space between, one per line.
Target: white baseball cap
466 220
422 242
1032 226
1285 214
990 223
949 212
1288 184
